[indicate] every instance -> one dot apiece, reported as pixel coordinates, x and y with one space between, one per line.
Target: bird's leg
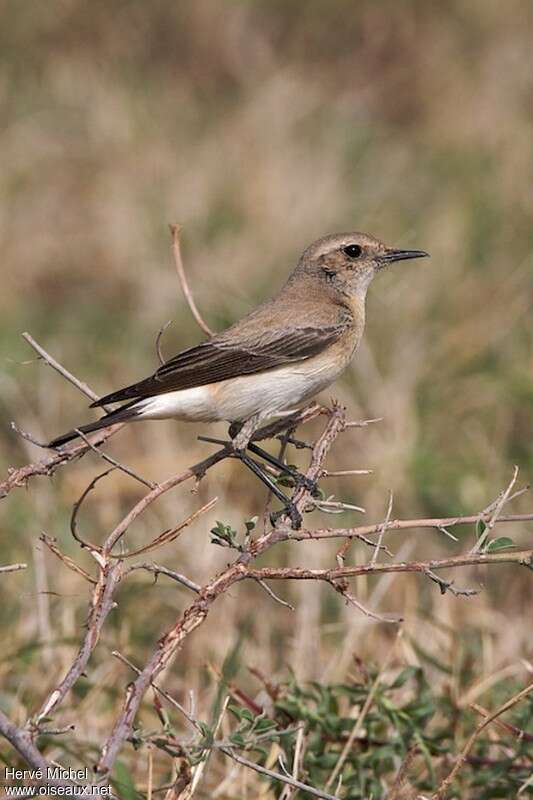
298 477
289 509
241 433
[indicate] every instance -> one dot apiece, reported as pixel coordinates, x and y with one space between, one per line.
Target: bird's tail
122 414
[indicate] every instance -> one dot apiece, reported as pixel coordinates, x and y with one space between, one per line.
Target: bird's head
347 262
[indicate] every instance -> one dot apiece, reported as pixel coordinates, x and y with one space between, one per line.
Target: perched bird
274 359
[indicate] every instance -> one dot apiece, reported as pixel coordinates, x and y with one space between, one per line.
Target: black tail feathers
122 414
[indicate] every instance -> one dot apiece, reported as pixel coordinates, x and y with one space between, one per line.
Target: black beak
401 255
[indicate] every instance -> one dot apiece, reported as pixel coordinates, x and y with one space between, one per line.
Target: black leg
298 477
290 509
256 469
212 440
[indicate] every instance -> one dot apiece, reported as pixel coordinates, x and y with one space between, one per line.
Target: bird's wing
221 358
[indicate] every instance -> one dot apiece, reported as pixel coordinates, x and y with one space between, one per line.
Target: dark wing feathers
220 359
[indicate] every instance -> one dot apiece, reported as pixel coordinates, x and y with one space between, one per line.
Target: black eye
352 250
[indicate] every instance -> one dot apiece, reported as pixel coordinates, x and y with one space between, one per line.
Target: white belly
266 393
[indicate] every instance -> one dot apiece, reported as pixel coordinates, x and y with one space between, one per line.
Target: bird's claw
309 484
291 512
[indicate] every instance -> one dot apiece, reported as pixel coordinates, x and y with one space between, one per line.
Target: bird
274 359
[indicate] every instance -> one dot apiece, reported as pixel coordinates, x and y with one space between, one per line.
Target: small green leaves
224 535
123 782
250 524
490 546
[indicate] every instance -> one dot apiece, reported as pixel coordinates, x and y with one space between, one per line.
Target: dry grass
260 127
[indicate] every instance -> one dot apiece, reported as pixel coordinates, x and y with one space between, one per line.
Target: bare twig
19 477
28 437
276 776
100 606
523 557
113 461
498 506
172 700
67 561
363 423
76 508
448 586
111 572
160 333
401 525
51 361
339 473
274 596
12 568
158 569
504 726
168 536
330 506
382 529
176 249
341 586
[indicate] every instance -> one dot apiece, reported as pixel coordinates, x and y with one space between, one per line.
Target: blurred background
260 127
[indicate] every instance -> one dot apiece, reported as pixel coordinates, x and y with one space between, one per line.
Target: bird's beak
391 255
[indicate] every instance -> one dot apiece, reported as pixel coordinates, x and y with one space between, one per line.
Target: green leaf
265 725
207 733
224 535
123 782
403 677
499 544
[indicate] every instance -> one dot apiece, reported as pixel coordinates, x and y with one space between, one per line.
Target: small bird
277 357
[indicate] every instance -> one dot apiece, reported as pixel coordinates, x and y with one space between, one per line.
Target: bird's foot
307 483
289 511
298 480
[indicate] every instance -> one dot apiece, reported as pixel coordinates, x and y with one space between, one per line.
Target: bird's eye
352 250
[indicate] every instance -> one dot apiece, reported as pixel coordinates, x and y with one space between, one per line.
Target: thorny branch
12 568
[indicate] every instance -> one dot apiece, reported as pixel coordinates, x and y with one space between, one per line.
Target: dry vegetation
260 127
